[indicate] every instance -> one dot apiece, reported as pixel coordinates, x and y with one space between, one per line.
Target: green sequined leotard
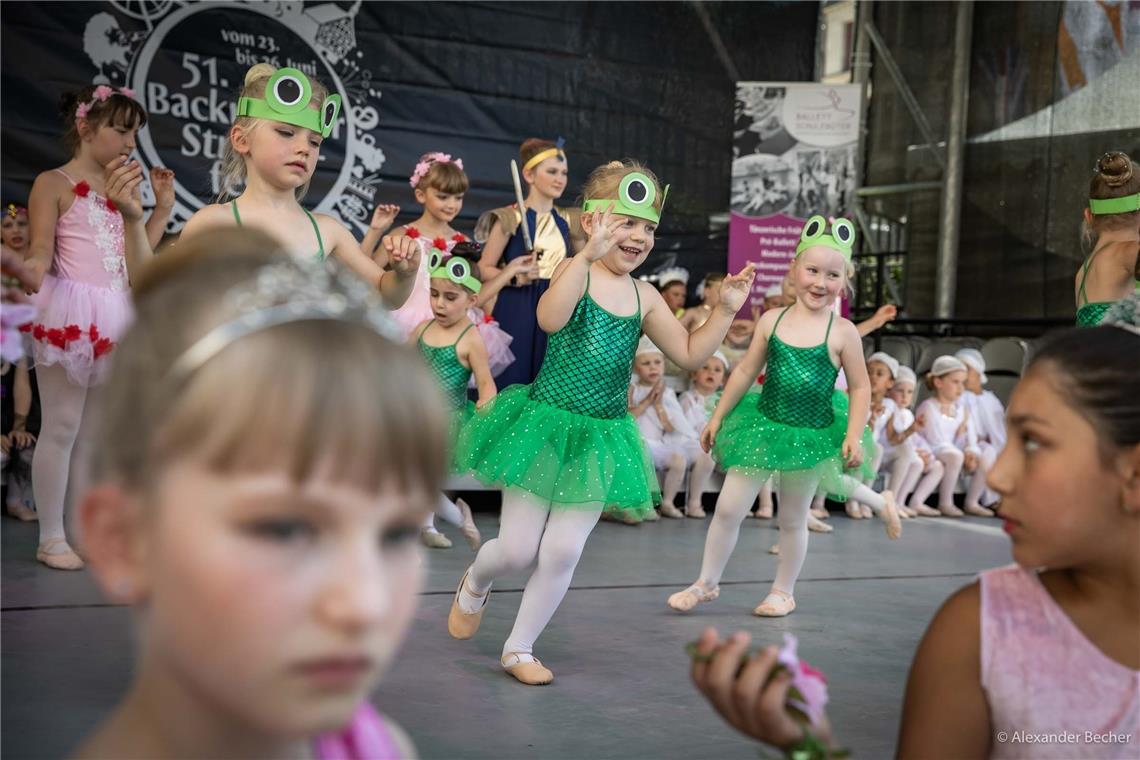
568 438
1090 314
443 361
798 422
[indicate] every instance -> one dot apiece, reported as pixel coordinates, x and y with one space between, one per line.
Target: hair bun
467 249
259 71
1115 168
615 165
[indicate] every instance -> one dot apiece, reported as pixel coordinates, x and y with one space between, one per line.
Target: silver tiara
291 290
1125 313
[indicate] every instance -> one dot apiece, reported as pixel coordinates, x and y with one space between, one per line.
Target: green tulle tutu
574 461
752 443
459 419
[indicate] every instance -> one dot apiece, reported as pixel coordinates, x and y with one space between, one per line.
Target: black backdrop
471 79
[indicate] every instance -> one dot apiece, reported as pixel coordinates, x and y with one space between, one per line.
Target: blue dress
516 308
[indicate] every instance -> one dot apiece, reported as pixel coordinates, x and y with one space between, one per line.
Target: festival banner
793 156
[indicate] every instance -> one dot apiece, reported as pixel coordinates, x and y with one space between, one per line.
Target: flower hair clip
101 93
283 292
432 158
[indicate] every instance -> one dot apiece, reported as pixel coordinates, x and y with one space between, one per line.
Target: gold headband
540 157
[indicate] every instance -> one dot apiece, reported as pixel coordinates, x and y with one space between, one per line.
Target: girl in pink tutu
79 275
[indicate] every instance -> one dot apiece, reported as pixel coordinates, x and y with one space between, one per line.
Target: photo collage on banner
793 149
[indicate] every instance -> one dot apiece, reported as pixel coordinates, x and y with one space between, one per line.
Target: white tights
795 494
920 489
446 509
530 530
66 423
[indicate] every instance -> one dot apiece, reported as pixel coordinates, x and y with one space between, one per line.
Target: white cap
718 354
973 359
884 358
944 365
646 346
906 375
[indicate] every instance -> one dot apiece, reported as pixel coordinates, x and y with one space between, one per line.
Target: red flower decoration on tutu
102 346
413 233
72 332
111 206
55 337
81 188
93 333
38 332
459 237
439 243
488 319
26 327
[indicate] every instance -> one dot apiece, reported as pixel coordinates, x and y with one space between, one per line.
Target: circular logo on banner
189 69
823 117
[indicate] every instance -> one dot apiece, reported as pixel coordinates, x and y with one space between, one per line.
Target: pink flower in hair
808 693
102 92
82 110
432 158
127 91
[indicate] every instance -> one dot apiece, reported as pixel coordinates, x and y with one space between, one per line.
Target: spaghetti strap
429 324
637 293
317 230
782 313
465 329
237 216
1084 276
827 334
68 176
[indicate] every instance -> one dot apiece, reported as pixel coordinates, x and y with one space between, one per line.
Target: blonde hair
294 396
232 172
604 181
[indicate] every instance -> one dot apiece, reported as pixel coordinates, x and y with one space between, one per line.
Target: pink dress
364 738
84 302
1050 691
418 306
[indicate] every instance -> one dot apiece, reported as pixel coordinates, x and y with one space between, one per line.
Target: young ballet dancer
985 411
552 231
232 495
455 353
794 428
282 116
81 284
1037 659
1112 231
881 370
946 427
673 442
566 446
926 470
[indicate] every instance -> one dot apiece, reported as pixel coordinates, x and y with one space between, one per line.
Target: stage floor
621 686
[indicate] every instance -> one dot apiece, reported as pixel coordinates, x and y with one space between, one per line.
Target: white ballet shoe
668 510
683 601
764 512
818 526
853 511
926 511
977 510
951 511
776 604
57 554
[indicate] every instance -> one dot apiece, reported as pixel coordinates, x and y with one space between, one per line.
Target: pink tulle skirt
497 341
78 327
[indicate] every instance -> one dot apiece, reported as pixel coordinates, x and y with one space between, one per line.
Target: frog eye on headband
435 259
458 269
288 91
844 232
329 111
637 191
814 229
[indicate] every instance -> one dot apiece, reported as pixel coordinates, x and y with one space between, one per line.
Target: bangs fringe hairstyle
604 181
297 396
118 110
443 177
232 174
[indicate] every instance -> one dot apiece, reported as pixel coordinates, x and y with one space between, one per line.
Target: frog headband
538 158
1123 205
842 237
287 98
454 268
636 194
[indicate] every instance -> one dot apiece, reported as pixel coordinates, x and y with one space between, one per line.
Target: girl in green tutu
565 446
795 428
453 351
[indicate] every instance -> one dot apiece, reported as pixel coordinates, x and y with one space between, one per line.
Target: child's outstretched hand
744 691
162 183
403 254
735 288
383 217
122 179
606 232
525 268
